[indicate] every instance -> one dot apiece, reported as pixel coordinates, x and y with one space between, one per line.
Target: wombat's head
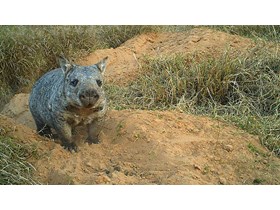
83 84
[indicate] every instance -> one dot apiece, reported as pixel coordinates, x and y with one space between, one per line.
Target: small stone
117 168
265 161
195 177
196 39
211 157
102 179
228 147
217 159
197 167
89 164
222 180
101 166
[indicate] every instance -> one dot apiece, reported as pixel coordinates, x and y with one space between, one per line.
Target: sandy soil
151 147
125 60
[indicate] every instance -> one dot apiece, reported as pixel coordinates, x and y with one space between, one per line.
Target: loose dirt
151 147
125 60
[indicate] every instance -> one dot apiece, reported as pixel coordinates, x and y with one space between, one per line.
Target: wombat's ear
101 65
64 64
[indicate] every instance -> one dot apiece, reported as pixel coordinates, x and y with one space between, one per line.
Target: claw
71 147
92 140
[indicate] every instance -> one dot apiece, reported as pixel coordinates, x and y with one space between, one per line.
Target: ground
151 147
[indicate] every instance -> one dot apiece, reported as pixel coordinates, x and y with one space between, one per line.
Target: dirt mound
123 66
150 147
18 109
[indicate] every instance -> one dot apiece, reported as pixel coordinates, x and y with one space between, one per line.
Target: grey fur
67 97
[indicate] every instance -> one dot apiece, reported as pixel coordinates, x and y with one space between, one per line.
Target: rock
89 164
18 109
101 166
117 168
228 147
102 179
222 180
197 167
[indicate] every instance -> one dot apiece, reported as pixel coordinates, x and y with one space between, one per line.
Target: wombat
69 96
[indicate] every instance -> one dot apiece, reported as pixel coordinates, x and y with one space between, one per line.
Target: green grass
14 166
255 150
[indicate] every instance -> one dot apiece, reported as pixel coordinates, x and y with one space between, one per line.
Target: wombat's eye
99 82
74 82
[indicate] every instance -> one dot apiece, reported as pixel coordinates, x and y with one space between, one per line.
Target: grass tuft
257 32
14 166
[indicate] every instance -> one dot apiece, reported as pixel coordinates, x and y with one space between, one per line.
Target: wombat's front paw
91 140
71 147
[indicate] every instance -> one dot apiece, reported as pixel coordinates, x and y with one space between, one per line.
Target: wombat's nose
89 97
89 94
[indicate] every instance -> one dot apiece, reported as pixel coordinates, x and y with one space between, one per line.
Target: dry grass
29 51
14 166
244 90
257 32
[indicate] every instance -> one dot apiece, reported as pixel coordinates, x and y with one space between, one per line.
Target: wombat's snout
89 97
